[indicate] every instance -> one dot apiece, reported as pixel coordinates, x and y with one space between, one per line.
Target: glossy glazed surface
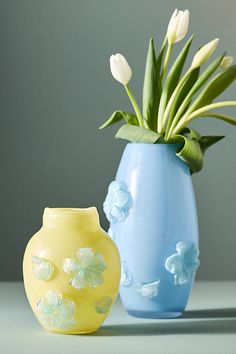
71 271
156 279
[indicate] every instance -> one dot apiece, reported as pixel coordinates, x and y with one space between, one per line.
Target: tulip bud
226 62
204 53
178 26
120 68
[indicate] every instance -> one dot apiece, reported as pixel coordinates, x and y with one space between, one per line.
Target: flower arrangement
173 99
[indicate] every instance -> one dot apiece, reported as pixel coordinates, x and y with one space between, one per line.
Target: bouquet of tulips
173 99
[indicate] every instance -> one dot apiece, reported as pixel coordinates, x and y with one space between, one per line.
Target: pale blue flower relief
126 276
56 311
42 268
103 305
118 202
86 269
148 290
184 263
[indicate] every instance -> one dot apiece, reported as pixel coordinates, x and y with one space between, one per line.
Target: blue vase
153 221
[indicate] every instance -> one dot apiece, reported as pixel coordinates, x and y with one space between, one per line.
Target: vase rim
64 210
150 144
54 216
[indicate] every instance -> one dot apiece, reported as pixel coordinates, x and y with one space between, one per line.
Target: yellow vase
71 271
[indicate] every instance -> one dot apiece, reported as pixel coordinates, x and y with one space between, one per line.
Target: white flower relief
56 311
148 290
184 263
43 268
118 202
126 276
85 269
103 305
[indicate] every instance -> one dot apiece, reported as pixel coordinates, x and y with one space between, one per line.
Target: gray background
56 89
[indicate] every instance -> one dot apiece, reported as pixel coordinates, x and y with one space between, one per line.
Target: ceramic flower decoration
118 202
184 263
103 305
174 97
43 269
56 311
126 278
86 269
148 290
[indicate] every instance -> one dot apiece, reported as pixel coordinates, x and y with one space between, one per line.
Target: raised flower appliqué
184 263
126 278
43 268
85 269
56 311
118 202
103 305
148 290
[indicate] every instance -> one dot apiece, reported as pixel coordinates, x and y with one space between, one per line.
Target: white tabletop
208 326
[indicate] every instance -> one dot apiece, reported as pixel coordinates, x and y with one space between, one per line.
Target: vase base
154 315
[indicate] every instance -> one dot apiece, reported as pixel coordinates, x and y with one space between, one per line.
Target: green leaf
138 135
189 151
206 141
191 80
224 117
151 88
191 132
173 77
199 83
160 56
117 116
214 88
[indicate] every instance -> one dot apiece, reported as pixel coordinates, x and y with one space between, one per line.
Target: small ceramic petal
98 263
44 307
126 275
94 278
116 214
115 186
184 263
70 265
121 199
54 297
182 276
103 305
85 255
66 309
43 269
148 290
80 281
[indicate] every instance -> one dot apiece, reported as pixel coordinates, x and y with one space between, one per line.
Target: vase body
153 221
71 271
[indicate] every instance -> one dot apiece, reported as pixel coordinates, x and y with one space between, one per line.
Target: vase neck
87 218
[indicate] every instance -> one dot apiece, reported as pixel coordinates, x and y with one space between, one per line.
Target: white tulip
204 53
120 68
226 62
178 26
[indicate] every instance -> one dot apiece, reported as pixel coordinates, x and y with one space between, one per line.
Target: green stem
135 105
187 119
172 99
209 107
167 59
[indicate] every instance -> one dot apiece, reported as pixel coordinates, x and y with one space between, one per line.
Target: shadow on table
215 321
